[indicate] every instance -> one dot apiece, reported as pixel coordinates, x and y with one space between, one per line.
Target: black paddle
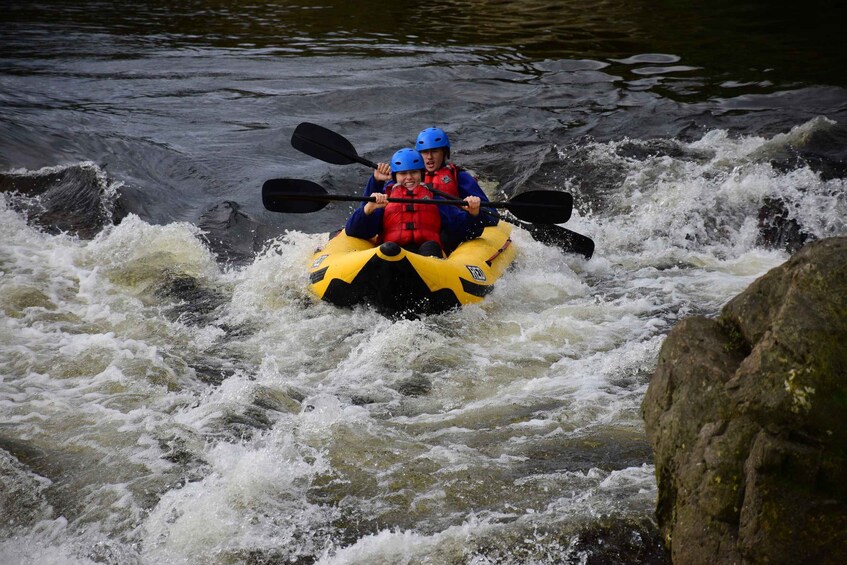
331 147
324 144
569 241
303 196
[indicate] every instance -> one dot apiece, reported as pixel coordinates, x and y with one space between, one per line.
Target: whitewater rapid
163 407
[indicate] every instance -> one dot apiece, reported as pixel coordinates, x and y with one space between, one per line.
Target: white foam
434 433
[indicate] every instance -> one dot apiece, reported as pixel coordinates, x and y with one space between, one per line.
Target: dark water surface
161 403
192 103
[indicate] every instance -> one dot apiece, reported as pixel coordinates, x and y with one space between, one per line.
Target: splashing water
161 408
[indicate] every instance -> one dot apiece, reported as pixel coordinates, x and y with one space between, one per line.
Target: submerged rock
22 502
78 199
746 416
779 231
232 235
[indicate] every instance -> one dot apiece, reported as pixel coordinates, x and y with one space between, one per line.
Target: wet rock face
231 234
74 200
746 416
778 230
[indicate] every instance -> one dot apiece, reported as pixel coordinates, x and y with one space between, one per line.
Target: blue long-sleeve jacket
467 185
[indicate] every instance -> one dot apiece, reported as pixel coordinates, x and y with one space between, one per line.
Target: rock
79 199
232 235
779 231
746 413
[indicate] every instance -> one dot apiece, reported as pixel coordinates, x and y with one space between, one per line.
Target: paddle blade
293 196
542 206
565 239
324 144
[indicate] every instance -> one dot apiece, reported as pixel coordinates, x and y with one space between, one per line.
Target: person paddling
415 227
442 175
444 178
434 145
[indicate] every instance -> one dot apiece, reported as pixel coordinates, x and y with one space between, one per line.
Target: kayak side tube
349 271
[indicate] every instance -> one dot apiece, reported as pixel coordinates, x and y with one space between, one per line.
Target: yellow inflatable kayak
348 271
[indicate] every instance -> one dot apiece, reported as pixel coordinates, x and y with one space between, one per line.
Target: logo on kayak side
477 273
318 261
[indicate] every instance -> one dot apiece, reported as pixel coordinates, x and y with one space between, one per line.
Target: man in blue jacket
417 227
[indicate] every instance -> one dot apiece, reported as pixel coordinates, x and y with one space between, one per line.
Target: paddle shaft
327 145
311 197
362 160
317 141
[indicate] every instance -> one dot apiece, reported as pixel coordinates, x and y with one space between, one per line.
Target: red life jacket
445 179
405 224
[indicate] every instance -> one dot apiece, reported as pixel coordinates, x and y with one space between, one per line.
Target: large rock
747 416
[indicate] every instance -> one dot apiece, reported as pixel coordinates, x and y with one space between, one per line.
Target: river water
170 393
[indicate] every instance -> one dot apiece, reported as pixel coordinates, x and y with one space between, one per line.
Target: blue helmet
407 160
433 138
